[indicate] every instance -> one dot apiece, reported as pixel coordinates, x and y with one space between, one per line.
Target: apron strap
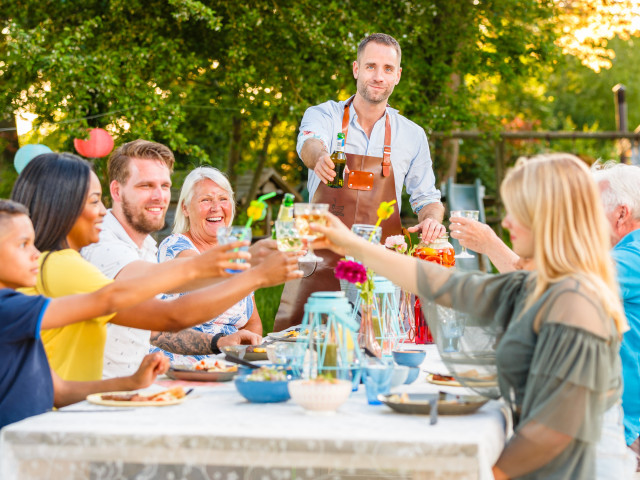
386 155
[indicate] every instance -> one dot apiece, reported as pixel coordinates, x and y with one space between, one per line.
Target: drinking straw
258 208
385 210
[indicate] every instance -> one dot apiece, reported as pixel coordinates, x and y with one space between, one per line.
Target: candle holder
332 342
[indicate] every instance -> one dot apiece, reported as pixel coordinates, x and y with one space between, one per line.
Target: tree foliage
586 27
213 79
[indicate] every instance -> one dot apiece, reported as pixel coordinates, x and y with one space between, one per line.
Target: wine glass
452 324
287 237
472 214
306 213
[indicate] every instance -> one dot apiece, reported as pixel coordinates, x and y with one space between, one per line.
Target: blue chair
460 196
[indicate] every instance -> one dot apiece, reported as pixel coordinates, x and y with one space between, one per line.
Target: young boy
27 384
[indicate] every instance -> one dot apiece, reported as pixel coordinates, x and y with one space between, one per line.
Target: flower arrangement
362 277
358 274
397 243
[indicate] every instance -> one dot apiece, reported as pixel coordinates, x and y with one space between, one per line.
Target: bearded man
385 152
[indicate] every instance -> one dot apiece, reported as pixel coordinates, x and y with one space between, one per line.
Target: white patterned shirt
125 347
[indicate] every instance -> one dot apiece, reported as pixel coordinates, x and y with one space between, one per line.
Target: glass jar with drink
439 251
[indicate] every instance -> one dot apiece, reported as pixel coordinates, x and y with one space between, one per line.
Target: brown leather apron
370 182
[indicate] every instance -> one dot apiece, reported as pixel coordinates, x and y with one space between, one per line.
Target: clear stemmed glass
453 324
306 213
472 214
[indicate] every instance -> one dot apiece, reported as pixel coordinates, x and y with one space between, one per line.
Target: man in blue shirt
619 185
385 151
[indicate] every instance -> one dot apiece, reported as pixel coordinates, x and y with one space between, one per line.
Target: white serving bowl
399 375
320 396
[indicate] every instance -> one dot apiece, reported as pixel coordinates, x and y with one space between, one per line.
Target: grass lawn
267 301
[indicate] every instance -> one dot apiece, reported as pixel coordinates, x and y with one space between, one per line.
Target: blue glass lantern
332 340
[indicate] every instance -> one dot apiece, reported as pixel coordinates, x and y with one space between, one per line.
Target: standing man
385 151
619 185
140 186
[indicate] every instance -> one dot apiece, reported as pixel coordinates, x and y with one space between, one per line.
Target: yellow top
76 351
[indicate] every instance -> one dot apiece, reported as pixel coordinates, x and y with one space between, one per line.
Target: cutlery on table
233 359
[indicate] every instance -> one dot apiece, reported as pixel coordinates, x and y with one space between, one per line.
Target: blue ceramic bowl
262 392
413 374
410 358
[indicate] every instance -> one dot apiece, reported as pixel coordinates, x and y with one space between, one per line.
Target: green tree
226 83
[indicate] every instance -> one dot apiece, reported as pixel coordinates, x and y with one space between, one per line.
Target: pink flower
352 272
397 243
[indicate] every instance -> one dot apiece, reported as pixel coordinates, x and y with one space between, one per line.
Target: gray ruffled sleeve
478 307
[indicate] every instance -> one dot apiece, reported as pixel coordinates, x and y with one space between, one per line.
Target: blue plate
262 392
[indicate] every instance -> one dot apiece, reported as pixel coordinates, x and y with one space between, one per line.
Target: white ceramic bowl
320 396
399 375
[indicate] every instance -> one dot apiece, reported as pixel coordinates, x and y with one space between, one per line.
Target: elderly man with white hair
620 189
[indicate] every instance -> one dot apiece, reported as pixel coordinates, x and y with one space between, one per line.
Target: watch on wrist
214 343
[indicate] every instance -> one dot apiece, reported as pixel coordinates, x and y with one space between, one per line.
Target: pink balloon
99 144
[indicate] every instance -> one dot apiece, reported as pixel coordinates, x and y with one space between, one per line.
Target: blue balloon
27 153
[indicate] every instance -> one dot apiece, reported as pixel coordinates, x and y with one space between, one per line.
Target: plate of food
254 353
471 378
420 403
445 380
172 396
474 378
203 371
287 336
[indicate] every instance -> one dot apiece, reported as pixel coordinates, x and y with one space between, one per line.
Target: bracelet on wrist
214 343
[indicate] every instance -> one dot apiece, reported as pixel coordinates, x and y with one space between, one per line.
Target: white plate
96 398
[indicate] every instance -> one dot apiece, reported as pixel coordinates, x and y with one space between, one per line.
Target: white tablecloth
216 434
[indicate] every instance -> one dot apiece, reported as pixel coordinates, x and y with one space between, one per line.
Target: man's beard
371 97
138 221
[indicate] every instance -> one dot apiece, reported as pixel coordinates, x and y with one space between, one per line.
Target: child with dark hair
27 384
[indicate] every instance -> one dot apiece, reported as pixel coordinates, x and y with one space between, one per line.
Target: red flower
352 272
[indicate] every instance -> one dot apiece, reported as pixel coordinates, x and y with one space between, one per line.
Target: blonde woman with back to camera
557 329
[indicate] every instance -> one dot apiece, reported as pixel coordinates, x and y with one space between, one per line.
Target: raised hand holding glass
305 214
473 215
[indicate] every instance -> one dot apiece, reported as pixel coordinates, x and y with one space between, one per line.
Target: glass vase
406 316
367 337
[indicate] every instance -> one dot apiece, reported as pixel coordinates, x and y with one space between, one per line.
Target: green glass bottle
285 213
339 159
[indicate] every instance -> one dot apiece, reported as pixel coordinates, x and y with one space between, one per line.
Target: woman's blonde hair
555 196
181 223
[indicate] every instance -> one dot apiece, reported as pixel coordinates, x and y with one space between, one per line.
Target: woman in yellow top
63 195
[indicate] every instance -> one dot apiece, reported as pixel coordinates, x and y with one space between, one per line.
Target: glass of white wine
305 214
473 215
287 236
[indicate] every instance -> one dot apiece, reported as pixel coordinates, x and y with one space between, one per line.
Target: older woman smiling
206 203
